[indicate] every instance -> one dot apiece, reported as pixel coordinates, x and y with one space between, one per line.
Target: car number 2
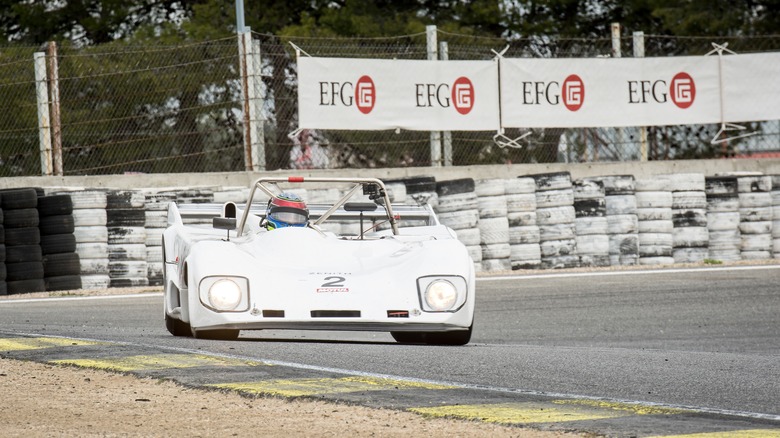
333 284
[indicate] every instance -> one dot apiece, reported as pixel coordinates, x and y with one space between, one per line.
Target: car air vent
273 313
335 313
397 313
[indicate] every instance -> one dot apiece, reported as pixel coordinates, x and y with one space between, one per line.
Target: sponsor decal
460 95
681 91
361 94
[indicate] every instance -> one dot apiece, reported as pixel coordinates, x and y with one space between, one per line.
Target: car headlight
224 294
442 293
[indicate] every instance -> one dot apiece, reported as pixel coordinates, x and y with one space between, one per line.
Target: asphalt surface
698 350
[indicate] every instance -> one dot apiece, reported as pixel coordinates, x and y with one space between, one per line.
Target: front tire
177 327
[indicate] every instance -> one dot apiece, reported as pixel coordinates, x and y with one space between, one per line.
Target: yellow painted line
752 433
634 408
521 413
18 344
156 362
306 387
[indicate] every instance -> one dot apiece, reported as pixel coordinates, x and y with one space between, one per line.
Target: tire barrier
91 236
126 225
156 215
493 224
61 263
529 222
622 220
755 216
775 216
22 250
654 202
590 210
725 239
690 237
457 208
555 217
524 234
3 272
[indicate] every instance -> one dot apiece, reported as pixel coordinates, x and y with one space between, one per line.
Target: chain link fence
182 108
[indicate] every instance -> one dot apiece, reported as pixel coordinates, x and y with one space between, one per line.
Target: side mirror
224 223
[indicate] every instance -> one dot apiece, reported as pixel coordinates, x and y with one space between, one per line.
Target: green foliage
141 91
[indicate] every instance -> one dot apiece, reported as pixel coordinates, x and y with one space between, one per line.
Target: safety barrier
60 239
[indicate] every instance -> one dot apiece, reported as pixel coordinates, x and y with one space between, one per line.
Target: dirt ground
41 400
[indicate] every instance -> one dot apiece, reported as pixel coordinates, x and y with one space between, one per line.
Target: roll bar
260 183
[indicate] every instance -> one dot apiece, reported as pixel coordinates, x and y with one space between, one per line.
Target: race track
629 353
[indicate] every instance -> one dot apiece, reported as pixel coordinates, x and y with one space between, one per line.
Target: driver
286 210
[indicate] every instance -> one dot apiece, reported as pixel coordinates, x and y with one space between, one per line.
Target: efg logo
361 94
463 95
459 95
682 90
573 93
365 94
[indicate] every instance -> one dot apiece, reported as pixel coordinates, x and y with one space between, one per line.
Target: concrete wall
226 179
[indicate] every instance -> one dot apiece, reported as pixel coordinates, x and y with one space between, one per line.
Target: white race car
416 282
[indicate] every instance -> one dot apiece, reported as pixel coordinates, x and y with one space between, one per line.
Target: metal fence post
444 55
254 95
44 120
254 158
639 52
432 46
56 125
616 53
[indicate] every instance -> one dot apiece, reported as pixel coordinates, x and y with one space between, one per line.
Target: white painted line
80 298
631 272
692 409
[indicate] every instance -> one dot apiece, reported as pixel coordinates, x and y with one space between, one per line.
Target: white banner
751 87
609 92
374 94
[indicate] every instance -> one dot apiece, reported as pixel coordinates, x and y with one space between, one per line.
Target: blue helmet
286 210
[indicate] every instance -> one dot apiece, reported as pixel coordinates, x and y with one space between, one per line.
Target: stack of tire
493 224
89 219
126 222
654 212
723 218
23 256
776 216
555 217
690 236
622 221
194 196
524 236
3 285
590 223
61 265
458 209
755 216
156 220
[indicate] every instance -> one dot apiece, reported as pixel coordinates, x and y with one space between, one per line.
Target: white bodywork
307 278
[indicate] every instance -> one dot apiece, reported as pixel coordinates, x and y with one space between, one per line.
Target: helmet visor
289 216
